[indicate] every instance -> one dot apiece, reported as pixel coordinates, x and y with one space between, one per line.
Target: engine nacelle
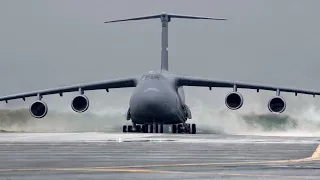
277 104
38 109
234 100
80 103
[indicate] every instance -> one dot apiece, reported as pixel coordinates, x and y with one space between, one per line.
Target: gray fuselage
157 99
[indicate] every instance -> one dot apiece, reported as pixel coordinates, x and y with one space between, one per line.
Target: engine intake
80 103
277 104
38 109
234 100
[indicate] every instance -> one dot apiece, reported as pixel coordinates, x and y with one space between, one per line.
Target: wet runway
65 156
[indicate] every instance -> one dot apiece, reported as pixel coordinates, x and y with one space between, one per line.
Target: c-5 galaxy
158 97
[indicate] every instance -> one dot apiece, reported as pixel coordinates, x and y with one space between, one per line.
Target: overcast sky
45 44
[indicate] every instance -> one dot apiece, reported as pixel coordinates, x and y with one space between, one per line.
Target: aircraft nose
153 102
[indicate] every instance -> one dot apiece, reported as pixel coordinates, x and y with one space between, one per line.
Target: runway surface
32 156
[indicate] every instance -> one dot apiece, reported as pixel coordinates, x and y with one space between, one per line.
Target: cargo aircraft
158 97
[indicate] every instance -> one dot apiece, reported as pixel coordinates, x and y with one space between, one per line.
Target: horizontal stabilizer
135 19
193 17
165 17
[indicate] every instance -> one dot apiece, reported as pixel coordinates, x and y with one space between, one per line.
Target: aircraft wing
108 84
204 82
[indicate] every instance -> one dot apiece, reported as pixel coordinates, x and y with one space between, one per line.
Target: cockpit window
151 76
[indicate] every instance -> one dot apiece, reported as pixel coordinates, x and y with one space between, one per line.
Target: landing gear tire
156 128
138 128
161 128
193 129
130 129
124 128
145 128
180 128
174 128
151 128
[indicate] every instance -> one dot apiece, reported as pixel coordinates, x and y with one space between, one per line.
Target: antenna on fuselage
165 19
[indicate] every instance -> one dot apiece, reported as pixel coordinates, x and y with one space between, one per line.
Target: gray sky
45 44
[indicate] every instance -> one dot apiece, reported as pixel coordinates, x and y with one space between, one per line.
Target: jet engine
38 109
80 103
277 104
234 100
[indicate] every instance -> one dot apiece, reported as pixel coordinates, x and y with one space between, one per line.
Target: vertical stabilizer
165 19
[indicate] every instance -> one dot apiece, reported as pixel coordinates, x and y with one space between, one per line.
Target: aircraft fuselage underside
158 116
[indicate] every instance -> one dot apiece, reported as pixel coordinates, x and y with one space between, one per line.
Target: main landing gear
158 128
184 128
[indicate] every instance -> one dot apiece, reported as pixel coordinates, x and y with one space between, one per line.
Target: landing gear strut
158 128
